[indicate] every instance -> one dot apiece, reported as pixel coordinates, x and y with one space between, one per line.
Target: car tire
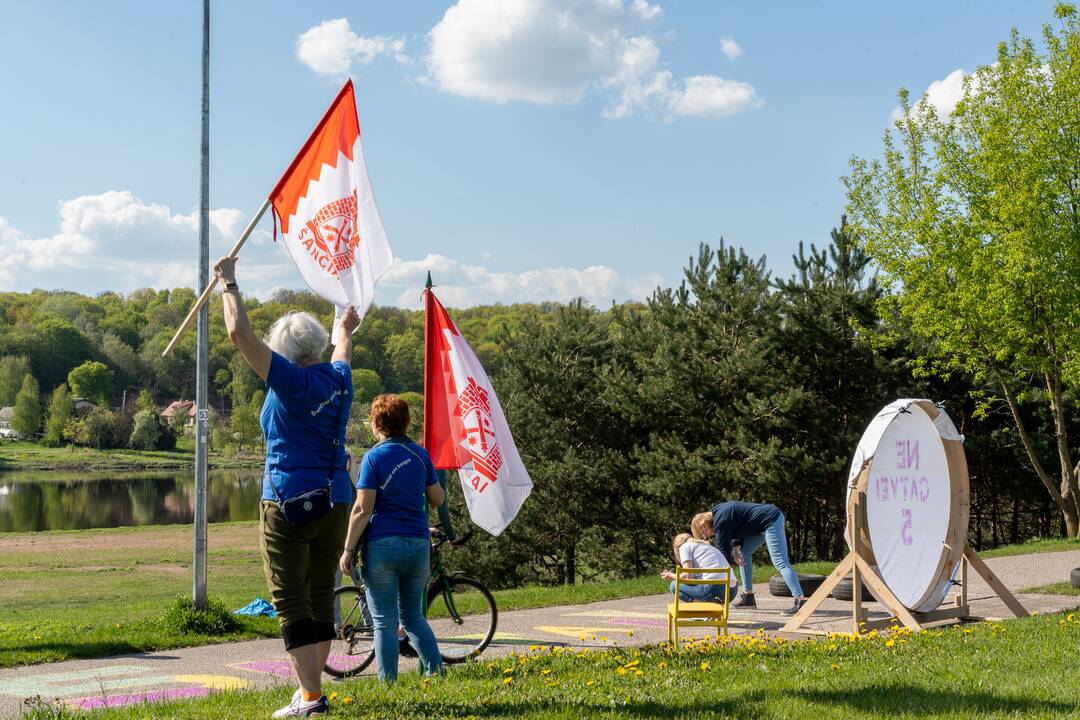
779 588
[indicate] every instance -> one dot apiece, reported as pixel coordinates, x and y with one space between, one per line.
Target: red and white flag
327 214
464 425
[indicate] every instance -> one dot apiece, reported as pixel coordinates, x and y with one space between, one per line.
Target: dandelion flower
346 700
705 666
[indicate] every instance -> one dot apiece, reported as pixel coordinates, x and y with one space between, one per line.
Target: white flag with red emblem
327 214
464 425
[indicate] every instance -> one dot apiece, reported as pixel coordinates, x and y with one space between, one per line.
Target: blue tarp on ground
258 606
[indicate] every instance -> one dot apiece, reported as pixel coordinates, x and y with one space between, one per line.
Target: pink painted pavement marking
281 668
95 703
637 622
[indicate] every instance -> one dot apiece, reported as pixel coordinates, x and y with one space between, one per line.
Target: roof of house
178 407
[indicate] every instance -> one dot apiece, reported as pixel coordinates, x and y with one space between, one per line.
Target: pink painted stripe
638 622
281 668
94 703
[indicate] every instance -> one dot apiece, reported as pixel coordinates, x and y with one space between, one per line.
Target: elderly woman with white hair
307 491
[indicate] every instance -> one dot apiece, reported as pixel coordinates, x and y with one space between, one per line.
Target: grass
92 593
1061 588
23 455
1022 668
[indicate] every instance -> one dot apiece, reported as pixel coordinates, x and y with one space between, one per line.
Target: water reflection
31 501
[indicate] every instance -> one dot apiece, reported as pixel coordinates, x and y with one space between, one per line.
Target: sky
520 150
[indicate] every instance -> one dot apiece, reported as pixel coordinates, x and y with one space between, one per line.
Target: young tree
146 431
92 380
975 219
27 418
146 400
244 425
58 416
13 368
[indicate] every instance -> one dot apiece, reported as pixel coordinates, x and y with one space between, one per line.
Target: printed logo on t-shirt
322 406
390 475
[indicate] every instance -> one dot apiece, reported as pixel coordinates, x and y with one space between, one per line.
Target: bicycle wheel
354 647
463 616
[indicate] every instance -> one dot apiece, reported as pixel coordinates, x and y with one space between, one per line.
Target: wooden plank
815 600
886 597
946 613
995 584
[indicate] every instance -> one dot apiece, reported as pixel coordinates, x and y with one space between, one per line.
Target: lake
73 500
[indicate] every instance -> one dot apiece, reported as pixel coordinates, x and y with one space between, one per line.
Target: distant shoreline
18 456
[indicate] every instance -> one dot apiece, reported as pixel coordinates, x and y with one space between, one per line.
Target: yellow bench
698 614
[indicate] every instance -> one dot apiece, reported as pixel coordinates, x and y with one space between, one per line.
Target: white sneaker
298 708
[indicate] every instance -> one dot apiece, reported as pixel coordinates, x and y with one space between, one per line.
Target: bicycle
460 610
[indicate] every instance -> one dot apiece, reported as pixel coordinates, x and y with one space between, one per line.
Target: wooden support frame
856 565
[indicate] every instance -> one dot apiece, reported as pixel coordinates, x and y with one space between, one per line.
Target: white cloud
550 52
462 285
942 95
116 241
730 48
331 48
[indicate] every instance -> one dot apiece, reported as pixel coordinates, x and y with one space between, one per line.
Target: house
6 415
82 407
180 412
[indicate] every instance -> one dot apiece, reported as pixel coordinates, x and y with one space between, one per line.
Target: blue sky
522 150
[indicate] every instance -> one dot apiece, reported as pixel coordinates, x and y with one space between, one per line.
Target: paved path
195 672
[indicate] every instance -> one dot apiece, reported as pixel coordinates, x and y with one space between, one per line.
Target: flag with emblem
326 211
464 425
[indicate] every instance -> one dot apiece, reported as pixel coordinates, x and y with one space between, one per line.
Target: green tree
415 401
146 400
244 425
27 418
58 415
146 431
13 368
366 385
975 219
92 380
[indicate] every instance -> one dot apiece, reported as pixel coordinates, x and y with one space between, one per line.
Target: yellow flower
705 666
890 642
589 682
346 700
629 633
662 665
620 671
332 696
553 683
508 671
509 679
835 666
545 671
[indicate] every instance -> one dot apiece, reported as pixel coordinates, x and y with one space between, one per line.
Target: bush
182 616
167 438
146 431
97 429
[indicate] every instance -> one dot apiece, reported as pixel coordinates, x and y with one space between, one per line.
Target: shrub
146 431
167 438
97 429
182 616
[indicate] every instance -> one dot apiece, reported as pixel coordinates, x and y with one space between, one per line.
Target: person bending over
737 529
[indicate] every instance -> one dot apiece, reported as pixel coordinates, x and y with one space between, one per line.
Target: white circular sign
916 499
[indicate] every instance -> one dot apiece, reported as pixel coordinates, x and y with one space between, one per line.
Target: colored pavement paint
501 638
618 614
213 682
638 622
281 668
574 631
108 701
81 682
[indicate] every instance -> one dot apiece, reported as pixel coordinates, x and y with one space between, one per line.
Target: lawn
1021 668
31 456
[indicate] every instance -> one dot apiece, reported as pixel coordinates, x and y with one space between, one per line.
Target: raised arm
243 336
343 336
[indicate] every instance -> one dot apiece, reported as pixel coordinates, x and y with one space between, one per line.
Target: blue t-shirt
299 420
399 471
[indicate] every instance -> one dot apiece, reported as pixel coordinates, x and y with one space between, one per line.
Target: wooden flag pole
213 281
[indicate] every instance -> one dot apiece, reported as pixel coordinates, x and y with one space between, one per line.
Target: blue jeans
396 569
691 592
775 539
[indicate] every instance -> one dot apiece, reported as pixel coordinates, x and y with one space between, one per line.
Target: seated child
693 553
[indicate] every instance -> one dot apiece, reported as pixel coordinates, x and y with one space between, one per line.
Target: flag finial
428 283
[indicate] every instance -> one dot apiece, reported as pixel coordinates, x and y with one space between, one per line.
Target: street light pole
202 415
